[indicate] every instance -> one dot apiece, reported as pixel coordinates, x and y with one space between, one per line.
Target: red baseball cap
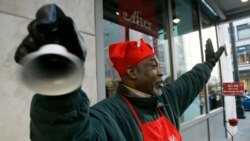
126 54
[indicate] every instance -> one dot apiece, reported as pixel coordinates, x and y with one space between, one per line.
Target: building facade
242 30
177 30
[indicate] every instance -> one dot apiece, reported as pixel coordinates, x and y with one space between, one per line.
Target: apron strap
132 109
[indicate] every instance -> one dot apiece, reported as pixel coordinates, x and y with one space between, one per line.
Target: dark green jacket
69 117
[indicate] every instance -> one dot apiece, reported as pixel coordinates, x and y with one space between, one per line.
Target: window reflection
187 51
243 54
215 97
112 34
243 31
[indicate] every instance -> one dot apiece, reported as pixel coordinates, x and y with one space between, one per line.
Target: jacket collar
149 103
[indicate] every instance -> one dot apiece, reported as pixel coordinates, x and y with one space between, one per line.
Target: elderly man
142 109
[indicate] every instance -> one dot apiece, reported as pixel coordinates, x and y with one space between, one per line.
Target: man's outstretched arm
63 117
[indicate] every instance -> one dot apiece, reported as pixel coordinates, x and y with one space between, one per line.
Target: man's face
149 76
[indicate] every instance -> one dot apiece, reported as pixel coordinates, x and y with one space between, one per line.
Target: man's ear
131 73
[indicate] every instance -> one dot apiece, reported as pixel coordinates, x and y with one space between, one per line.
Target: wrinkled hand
212 56
51 26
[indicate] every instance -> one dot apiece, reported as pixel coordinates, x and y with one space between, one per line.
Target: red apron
160 129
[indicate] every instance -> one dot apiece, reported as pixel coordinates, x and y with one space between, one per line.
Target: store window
215 97
112 34
126 20
243 55
243 31
187 49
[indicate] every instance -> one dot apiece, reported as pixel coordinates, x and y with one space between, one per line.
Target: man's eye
154 66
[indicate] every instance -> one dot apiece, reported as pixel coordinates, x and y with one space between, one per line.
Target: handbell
52 70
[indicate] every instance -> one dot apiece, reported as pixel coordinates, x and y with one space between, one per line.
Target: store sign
137 19
233 89
139 15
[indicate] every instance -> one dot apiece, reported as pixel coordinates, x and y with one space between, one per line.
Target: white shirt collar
138 93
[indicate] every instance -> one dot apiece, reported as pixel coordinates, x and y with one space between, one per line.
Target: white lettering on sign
235 88
137 19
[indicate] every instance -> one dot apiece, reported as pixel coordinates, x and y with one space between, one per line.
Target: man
142 109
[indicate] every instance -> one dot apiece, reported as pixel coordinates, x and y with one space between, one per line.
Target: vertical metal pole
100 58
202 57
239 108
171 39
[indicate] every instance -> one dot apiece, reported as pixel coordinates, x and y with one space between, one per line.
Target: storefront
177 30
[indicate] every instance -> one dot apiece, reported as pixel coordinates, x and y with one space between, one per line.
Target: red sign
233 89
139 15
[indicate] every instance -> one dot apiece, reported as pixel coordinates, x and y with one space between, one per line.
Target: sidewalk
243 133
